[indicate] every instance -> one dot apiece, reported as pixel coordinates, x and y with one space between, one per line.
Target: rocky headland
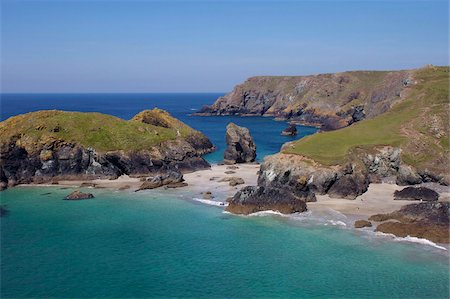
49 146
330 101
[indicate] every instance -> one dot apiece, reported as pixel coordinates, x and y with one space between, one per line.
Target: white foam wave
340 223
266 213
412 239
211 202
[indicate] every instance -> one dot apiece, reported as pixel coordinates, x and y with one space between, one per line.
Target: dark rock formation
168 177
331 101
416 193
362 223
240 145
291 130
3 211
429 220
255 199
78 195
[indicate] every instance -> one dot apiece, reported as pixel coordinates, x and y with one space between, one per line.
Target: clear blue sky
176 46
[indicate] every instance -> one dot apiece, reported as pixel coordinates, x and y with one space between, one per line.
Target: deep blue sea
264 130
161 243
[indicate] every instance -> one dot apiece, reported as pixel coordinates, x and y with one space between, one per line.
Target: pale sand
198 182
379 199
209 180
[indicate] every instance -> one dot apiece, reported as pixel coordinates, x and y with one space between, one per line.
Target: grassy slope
100 131
406 125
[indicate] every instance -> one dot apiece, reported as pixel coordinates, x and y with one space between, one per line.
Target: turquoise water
155 244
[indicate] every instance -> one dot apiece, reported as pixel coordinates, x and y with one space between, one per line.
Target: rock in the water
291 130
429 220
167 178
78 195
240 145
416 193
362 223
253 199
3 211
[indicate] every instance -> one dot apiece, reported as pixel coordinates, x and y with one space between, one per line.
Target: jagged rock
362 223
232 167
87 184
291 130
351 184
240 145
253 199
429 220
233 181
416 193
78 195
169 177
407 176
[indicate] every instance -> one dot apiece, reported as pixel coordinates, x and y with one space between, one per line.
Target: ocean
161 243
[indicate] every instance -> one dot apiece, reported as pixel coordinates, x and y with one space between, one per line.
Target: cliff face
329 100
406 145
47 146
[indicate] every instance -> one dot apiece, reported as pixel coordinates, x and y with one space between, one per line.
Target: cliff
408 144
47 146
331 101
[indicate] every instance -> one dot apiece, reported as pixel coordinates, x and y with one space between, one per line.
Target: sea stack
240 145
291 130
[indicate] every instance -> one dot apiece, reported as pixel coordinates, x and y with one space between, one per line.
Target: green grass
331 148
100 131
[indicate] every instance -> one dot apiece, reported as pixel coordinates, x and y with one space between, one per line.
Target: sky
209 46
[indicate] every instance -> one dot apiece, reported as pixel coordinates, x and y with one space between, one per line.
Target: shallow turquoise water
124 244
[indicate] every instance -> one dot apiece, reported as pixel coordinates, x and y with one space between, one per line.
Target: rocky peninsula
50 146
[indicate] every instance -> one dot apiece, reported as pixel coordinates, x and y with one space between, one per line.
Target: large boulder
416 193
240 145
429 220
253 199
169 177
291 130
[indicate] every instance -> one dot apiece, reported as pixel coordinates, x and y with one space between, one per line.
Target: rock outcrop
331 101
428 220
291 130
169 177
416 193
240 145
253 199
47 146
362 224
78 195
297 174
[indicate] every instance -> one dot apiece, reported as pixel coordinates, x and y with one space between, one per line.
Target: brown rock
362 223
78 195
434 233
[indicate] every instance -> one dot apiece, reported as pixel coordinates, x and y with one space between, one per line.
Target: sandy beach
378 199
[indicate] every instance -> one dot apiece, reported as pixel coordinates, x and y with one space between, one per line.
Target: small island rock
240 145
291 130
78 195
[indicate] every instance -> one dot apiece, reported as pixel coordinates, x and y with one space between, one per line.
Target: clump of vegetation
418 124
